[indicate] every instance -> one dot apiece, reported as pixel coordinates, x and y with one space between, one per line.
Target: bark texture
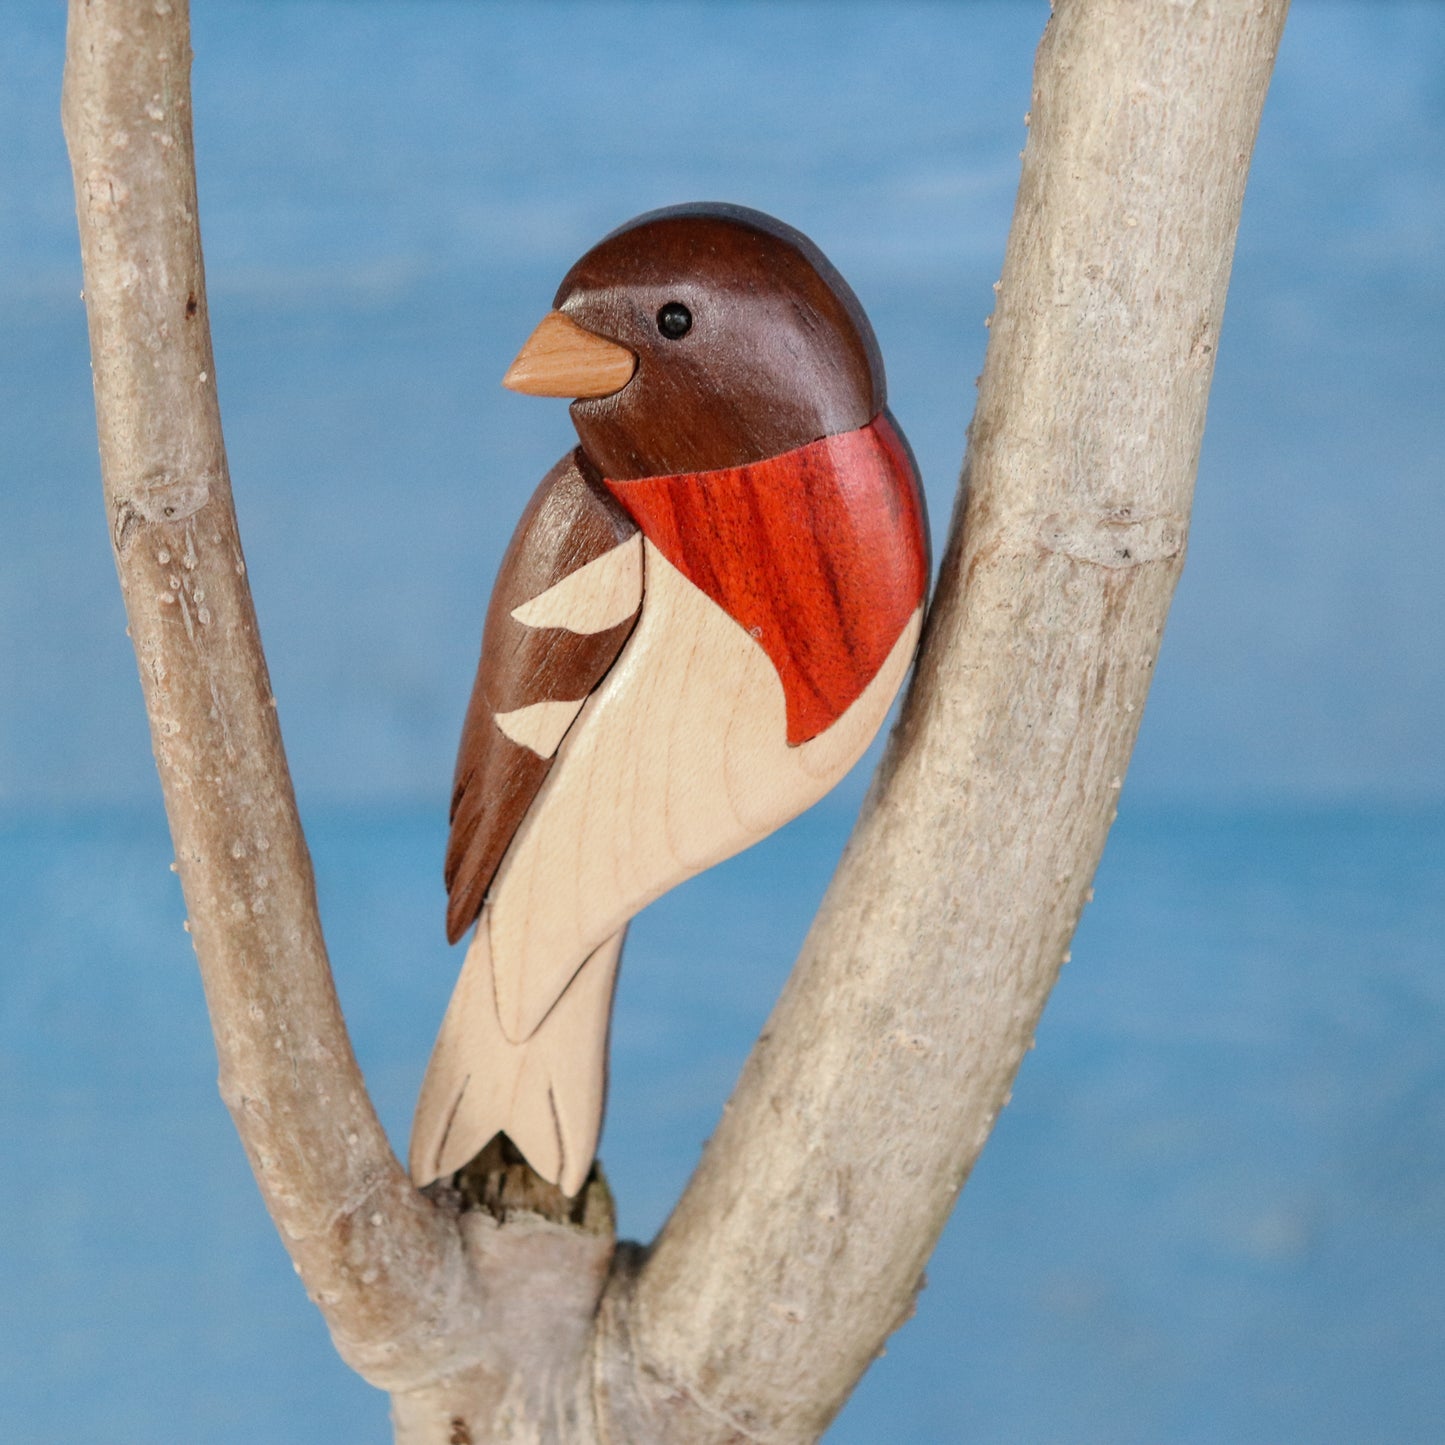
382 1262
800 1243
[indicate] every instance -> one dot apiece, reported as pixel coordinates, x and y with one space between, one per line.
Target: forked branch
800 1241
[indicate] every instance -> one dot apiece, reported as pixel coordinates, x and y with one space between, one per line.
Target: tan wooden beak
562 358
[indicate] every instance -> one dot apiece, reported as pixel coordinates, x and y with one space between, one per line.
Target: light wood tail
546 1093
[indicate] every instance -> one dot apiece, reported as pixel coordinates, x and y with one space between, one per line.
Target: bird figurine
699 625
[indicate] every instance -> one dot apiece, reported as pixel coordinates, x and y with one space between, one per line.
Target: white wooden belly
679 760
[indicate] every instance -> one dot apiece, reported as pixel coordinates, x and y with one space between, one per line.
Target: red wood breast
820 553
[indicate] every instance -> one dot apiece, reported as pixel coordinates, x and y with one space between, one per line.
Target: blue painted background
1215 1210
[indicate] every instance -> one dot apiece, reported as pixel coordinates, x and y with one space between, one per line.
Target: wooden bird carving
699 625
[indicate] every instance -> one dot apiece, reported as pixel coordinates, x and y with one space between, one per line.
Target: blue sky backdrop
1215 1211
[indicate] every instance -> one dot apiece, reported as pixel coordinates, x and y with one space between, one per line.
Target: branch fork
800 1242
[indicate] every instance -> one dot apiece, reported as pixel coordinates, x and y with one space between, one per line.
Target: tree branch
385 1266
799 1244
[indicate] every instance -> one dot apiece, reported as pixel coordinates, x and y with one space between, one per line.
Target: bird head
701 337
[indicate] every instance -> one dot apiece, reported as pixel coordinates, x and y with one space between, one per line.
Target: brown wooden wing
566 597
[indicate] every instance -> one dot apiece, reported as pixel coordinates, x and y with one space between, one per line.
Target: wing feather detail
570 524
540 726
594 597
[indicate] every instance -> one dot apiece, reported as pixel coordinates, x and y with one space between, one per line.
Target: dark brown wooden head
747 342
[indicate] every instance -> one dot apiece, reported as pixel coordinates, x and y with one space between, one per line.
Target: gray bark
799 1244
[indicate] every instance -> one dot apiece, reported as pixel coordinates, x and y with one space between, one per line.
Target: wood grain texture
779 355
540 726
780 589
780 352
565 538
561 358
820 555
679 760
597 596
799 1244
547 1093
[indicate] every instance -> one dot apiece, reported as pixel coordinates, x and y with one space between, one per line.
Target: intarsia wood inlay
699 626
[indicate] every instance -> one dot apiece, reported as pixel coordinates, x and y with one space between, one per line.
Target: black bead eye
674 320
